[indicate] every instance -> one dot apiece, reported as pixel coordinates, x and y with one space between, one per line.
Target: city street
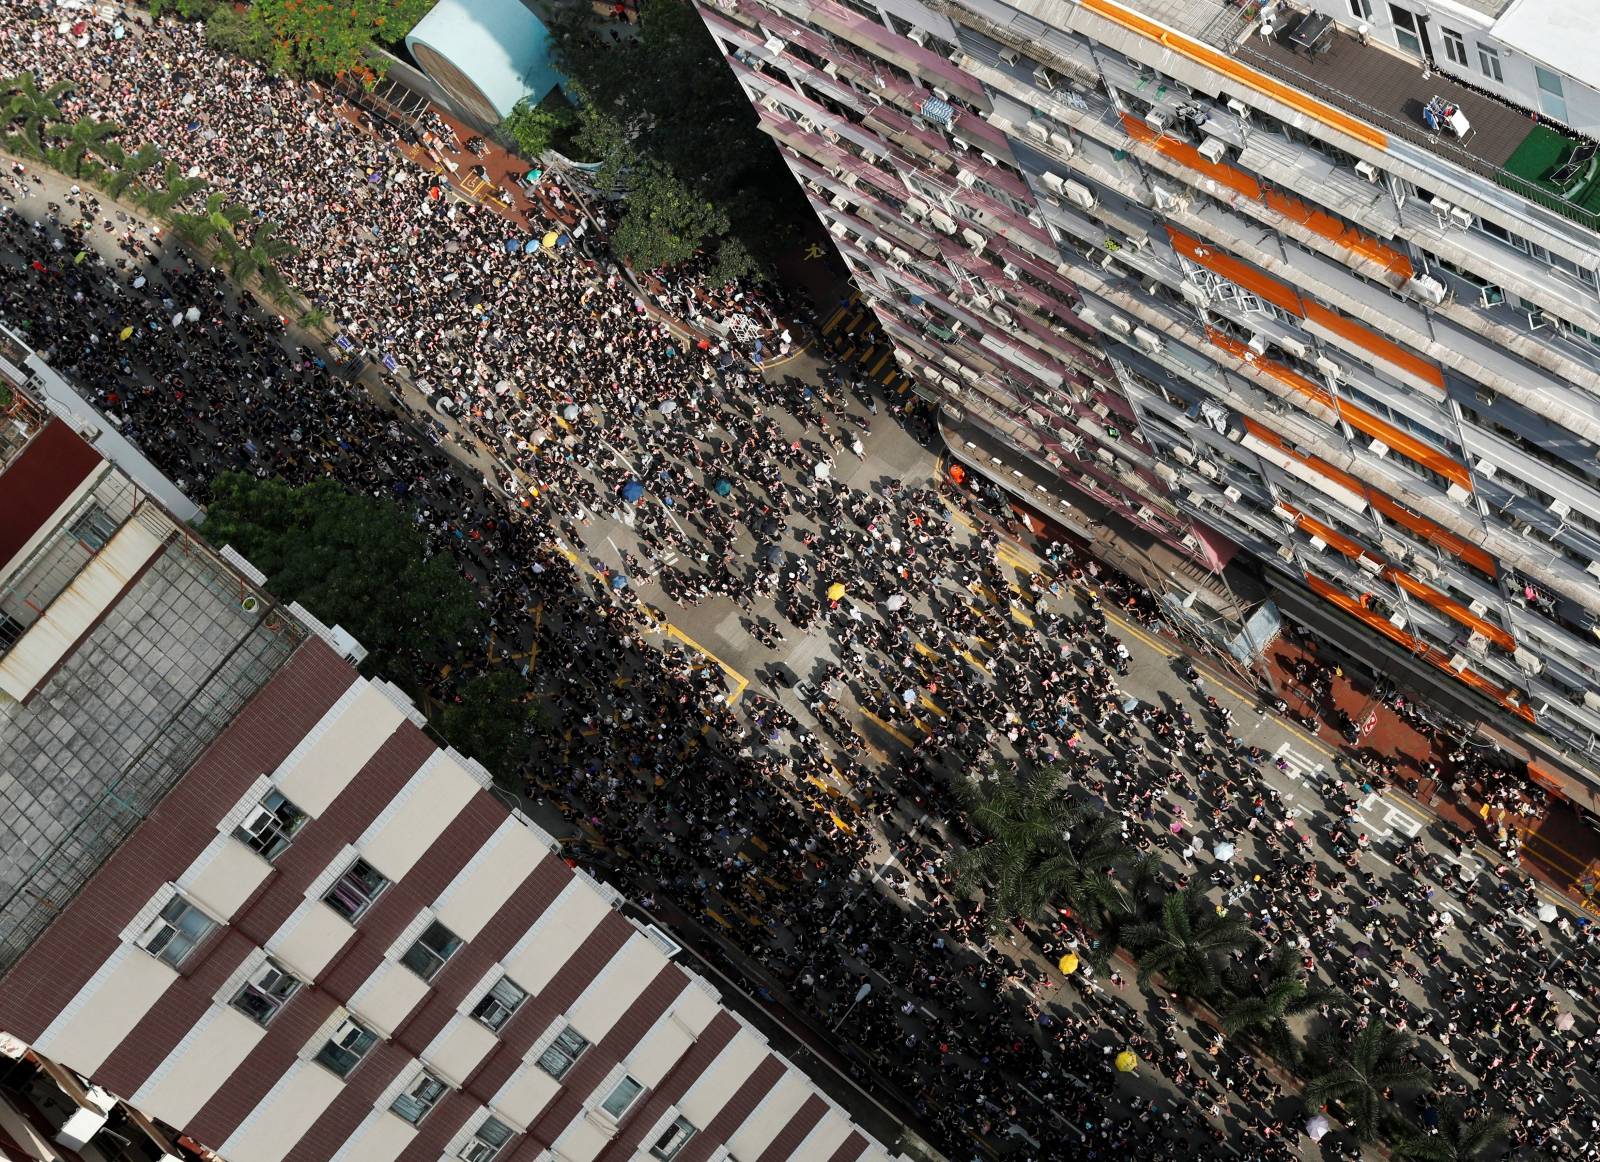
775 654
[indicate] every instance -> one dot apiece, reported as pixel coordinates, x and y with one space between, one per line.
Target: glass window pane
620 1098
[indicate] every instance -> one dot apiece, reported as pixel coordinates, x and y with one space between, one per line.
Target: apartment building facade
250 909
1255 278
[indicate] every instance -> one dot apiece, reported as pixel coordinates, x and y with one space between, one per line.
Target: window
173 934
1455 46
486 1141
673 1140
268 990
420 1097
94 528
433 948
1361 9
1405 29
563 1054
501 1003
1489 61
1552 99
356 890
270 828
621 1097
346 1048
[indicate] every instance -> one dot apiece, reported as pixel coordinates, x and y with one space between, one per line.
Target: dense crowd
768 814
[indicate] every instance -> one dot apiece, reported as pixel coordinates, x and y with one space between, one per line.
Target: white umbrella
138 282
194 171
1223 851
895 601
1444 918
820 471
1547 913
1317 1128
192 314
1565 1021
177 320
667 407
909 696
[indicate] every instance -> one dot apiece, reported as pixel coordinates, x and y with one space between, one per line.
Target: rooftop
1560 33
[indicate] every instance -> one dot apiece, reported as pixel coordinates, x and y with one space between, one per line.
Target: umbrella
1565 1021
1362 951
632 491
1317 1128
667 406
570 412
1223 851
530 246
177 320
836 591
1068 964
192 315
909 695
1547 913
512 246
770 555
722 487
618 581
821 470
1127 1062
138 282
769 527
125 332
549 240
895 601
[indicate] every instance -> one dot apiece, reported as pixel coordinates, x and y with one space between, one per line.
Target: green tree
1042 849
667 97
1183 943
489 720
534 127
174 190
352 560
1358 1069
216 222
31 108
664 221
1455 1139
262 256
320 38
1262 1001
86 136
231 30
131 168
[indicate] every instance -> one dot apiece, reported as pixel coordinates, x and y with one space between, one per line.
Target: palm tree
1456 1139
216 221
1264 1000
33 106
87 136
130 169
175 189
262 256
1042 850
1183 942
1358 1068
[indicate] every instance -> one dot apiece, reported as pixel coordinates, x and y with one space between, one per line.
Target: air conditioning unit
1038 130
1459 662
1239 108
1487 469
1147 339
832 69
1258 344
1429 569
1293 346
1478 644
1462 218
1078 194
1193 293
1427 288
918 37
1089 316
1213 149
1167 472
1044 78
1369 171
1458 494
1328 367
1062 144
966 178
1207 469
1104 456
1181 454
1158 119
1284 513
1560 508
1397 619
1317 543
1101 410
1370 564
775 45
1232 493
1009 55
1378 448
829 134
1167 200
1120 325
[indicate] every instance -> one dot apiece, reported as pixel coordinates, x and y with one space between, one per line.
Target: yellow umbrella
549 240
836 591
1068 964
1127 1062
126 331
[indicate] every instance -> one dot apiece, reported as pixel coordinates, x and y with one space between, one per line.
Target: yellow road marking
893 732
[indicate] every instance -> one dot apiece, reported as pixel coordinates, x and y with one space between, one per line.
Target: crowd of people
789 817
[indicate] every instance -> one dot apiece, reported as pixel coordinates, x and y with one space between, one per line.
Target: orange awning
1385 349
1453 608
1185 154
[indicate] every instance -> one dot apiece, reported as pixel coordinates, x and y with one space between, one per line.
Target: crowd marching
772 814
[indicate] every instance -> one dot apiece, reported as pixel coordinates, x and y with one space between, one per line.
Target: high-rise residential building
1310 288
250 909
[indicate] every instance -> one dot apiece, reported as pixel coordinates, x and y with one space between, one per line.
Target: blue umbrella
722 487
512 246
530 246
632 491
618 581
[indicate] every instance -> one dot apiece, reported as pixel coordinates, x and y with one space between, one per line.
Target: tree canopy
666 117
534 127
320 38
351 560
